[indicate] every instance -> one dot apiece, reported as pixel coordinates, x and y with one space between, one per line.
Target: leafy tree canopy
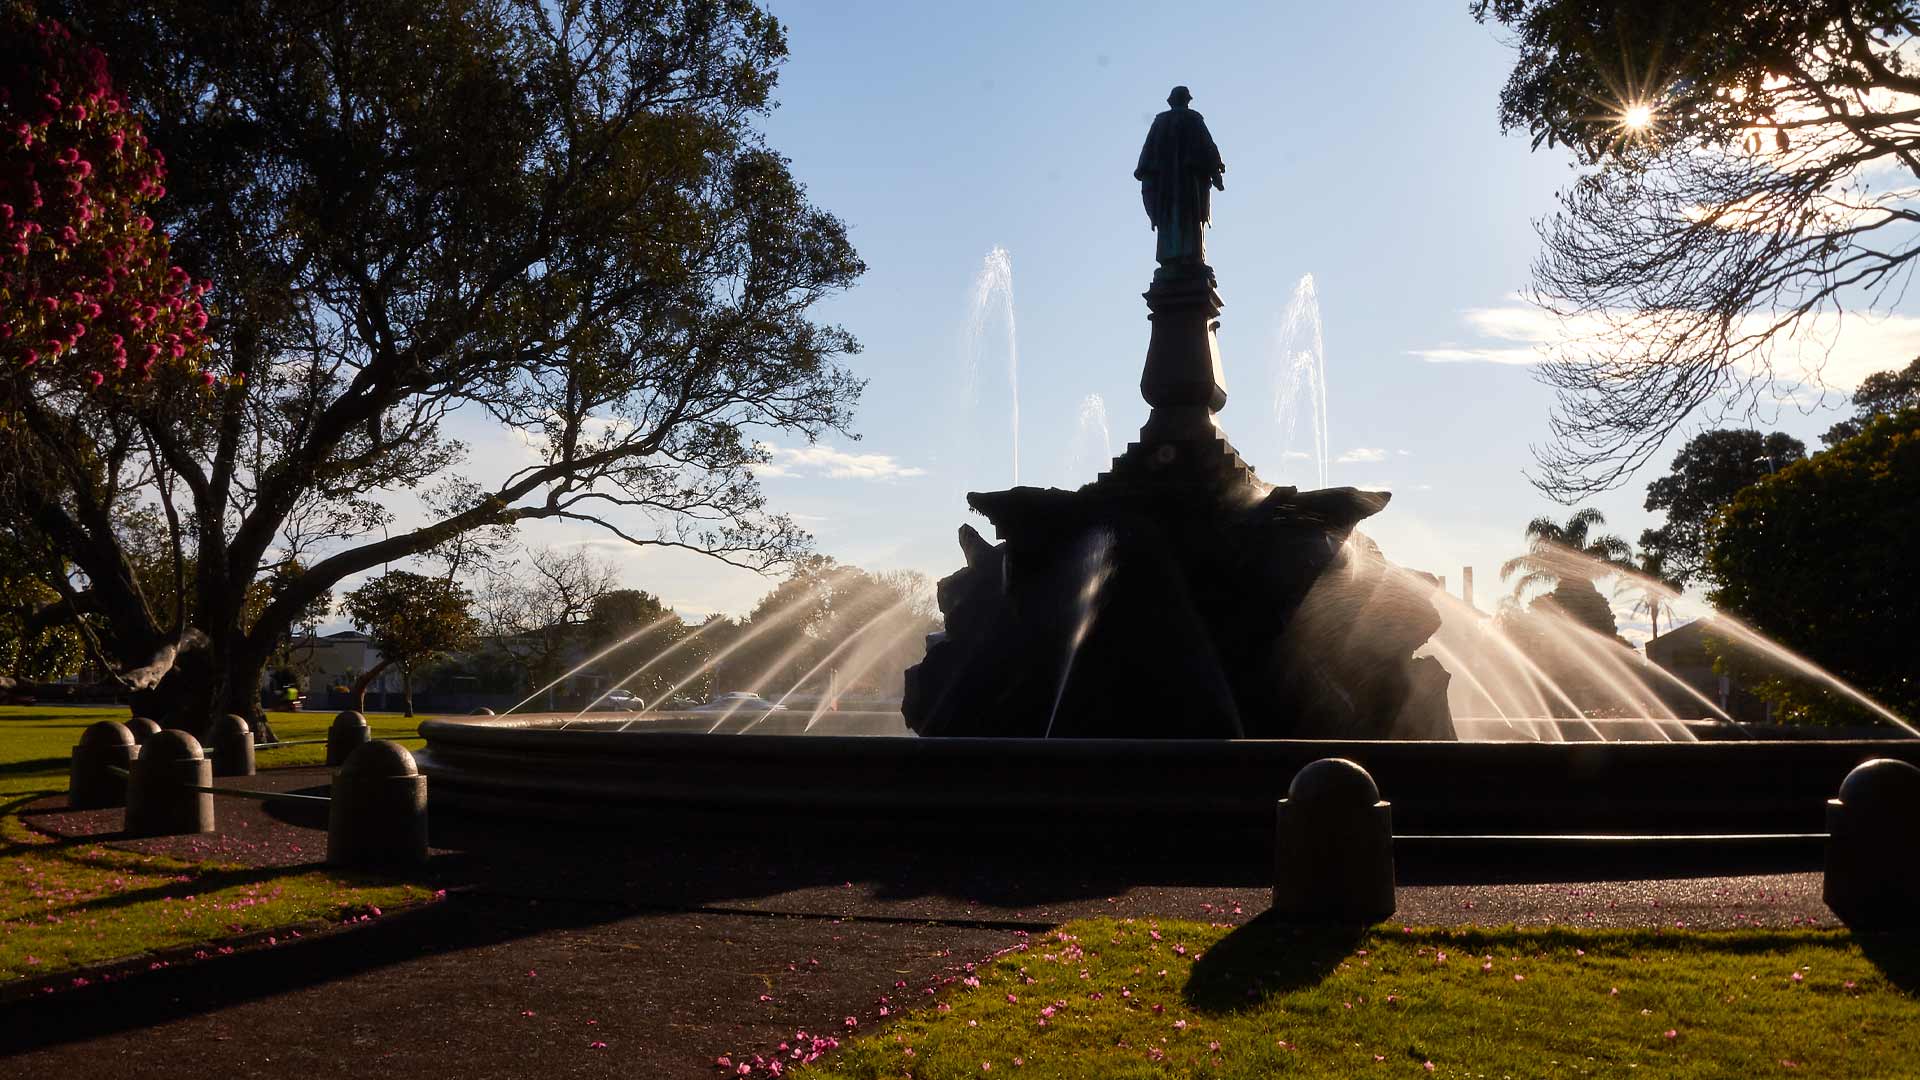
412 619
1735 199
1820 557
1882 393
558 217
1707 473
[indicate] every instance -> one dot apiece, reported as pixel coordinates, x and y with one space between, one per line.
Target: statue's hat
1179 97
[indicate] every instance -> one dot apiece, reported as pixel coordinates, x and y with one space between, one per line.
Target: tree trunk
406 688
360 685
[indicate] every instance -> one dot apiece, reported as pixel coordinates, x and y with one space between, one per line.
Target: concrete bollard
92 784
143 729
348 733
1333 852
159 801
1872 879
481 711
378 812
231 741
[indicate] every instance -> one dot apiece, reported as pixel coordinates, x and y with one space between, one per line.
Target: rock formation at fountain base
1180 597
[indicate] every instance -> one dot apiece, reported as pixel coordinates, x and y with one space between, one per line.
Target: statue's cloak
1177 166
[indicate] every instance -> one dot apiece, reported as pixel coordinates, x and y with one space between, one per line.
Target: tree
554 216
1882 393
94 317
646 644
1565 557
1656 586
91 307
830 622
1819 557
36 647
1707 473
536 613
1729 209
412 619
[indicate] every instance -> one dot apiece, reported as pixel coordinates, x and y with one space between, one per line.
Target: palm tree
1557 552
1656 588
1568 558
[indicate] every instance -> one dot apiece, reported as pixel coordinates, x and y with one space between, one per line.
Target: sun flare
1637 117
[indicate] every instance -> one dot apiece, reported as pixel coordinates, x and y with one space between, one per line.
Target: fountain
1227 607
1166 646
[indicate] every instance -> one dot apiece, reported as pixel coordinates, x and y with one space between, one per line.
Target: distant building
339 659
1684 653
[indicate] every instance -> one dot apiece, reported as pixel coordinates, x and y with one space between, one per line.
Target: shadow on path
192 989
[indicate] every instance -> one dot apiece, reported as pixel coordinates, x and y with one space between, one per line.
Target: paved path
674 948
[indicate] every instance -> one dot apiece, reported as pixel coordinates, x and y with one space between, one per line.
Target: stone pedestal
378 816
160 801
348 733
1872 879
1333 854
92 784
1182 378
231 740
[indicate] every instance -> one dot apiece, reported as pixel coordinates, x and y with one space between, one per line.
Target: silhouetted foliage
1821 557
557 217
828 622
1707 252
412 619
535 613
1546 562
1707 473
1882 393
662 655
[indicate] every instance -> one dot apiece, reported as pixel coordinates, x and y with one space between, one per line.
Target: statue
1177 164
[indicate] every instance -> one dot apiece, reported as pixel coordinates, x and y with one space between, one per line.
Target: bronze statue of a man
1177 165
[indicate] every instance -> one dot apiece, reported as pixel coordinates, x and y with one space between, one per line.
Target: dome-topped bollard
160 796
378 813
1873 878
231 741
92 784
348 733
143 729
1333 852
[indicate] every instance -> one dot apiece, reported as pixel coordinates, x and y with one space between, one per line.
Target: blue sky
1362 147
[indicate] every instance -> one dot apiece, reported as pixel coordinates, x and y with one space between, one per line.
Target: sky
1362 147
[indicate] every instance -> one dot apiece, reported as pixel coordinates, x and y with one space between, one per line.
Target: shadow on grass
52 767
1896 954
199 884
1264 957
193 989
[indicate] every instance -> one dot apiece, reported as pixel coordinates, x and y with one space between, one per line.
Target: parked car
738 701
619 701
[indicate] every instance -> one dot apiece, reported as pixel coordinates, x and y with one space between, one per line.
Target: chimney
1466 584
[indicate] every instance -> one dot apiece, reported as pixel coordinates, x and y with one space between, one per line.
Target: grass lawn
64 905
1131 999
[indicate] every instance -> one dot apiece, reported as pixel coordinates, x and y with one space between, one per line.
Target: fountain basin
533 768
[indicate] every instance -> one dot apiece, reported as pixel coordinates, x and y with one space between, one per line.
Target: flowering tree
88 298
417 218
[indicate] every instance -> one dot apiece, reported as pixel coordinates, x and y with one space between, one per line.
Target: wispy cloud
1828 350
821 460
1361 454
